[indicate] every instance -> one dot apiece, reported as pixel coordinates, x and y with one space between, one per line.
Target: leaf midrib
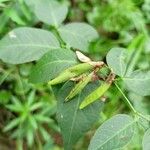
74 118
30 45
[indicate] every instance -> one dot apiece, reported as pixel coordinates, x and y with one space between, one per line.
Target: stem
127 100
56 32
130 105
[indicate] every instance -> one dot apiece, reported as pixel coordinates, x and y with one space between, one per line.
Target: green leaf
26 44
51 64
32 122
116 59
146 140
5 96
36 106
138 82
42 119
73 121
15 122
30 137
13 14
78 35
49 11
113 134
46 136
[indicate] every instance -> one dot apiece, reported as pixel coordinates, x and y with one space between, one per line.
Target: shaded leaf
113 134
26 44
78 35
51 64
74 122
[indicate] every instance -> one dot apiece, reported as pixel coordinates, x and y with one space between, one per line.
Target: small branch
127 100
130 105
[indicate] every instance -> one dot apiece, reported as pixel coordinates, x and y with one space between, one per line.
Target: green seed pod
81 68
99 92
79 86
75 71
64 76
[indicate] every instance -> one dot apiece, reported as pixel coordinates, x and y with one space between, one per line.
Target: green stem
127 100
130 105
56 32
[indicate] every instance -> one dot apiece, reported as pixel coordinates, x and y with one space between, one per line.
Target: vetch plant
60 60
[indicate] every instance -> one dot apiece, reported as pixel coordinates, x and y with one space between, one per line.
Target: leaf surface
51 64
146 140
78 35
50 12
138 82
73 121
26 44
113 134
116 59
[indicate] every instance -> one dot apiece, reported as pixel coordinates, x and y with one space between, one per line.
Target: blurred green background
118 22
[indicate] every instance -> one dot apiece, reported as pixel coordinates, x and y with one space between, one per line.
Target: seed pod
83 67
74 71
99 92
64 76
79 86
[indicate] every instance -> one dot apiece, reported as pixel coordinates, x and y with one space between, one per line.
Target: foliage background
118 23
